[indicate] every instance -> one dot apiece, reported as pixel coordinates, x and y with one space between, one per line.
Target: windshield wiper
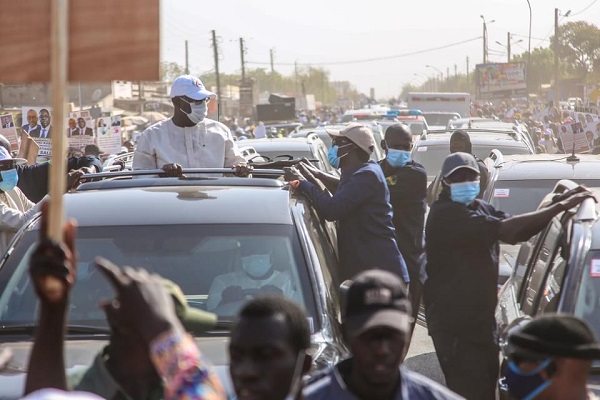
29 329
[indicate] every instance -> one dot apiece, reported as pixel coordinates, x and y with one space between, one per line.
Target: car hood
81 353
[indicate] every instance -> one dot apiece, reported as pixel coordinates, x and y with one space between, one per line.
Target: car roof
172 201
280 144
548 166
480 138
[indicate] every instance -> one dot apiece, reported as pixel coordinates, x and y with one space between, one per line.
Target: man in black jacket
407 183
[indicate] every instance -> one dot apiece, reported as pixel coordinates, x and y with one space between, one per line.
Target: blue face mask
332 157
10 178
257 265
397 158
464 192
526 385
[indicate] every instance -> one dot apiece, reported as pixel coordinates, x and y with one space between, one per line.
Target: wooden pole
57 180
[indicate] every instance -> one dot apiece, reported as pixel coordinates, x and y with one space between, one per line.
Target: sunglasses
196 102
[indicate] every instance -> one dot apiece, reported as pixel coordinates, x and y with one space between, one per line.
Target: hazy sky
330 31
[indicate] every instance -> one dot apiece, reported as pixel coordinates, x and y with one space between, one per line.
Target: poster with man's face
8 129
37 123
109 136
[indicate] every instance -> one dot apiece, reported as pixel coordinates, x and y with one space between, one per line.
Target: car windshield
518 197
280 155
432 157
204 260
438 119
587 305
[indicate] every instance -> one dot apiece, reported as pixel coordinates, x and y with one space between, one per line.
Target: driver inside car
257 276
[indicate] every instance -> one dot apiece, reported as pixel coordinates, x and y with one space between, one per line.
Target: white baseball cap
190 86
53 394
5 155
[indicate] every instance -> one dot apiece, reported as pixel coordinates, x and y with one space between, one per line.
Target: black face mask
527 385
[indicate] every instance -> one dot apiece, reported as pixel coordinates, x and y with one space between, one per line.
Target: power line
585 9
375 58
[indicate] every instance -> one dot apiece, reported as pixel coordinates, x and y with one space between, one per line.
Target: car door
535 278
526 278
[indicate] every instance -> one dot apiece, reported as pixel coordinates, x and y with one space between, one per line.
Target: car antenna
573 157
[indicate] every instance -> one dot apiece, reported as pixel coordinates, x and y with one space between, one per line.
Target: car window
549 297
198 258
439 119
539 267
587 305
325 254
281 154
431 157
521 196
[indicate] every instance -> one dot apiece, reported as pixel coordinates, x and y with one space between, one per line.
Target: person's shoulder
211 123
371 168
156 129
318 386
421 387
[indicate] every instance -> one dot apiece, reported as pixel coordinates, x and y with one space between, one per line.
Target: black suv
433 147
193 231
557 270
518 183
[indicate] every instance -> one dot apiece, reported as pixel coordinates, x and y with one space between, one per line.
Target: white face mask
198 112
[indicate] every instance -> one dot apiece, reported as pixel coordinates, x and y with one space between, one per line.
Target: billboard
502 80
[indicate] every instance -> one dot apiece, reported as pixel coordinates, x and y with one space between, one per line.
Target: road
421 356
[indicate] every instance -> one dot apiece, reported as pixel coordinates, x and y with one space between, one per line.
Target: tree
541 69
579 46
170 70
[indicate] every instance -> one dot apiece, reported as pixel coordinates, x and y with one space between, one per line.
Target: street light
485 46
529 43
508 42
439 79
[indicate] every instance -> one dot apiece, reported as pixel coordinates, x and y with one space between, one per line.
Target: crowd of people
392 257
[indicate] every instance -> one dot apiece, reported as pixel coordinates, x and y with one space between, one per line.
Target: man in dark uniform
407 183
360 204
462 273
376 326
550 358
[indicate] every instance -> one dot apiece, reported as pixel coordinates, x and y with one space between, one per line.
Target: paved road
421 356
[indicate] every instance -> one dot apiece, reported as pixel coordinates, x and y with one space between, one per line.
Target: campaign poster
573 138
37 123
9 130
501 80
78 136
108 132
580 123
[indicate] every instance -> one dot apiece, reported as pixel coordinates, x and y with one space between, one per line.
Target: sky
332 33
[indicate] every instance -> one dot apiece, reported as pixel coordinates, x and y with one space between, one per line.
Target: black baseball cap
376 298
556 335
458 160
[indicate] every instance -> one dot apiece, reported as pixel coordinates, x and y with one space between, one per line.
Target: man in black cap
462 273
376 324
550 358
460 142
407 183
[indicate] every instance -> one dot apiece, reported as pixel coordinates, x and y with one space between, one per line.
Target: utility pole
216 55
187 64
455 71
468 78
272 65
556 73
484 43
447 73
508 45
296 75
242 50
